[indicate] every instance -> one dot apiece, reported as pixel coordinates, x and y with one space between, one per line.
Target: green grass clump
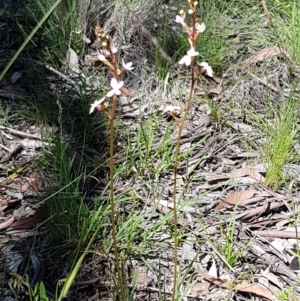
62 28
280 137
287 28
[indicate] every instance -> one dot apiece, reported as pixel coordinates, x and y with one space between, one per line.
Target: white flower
200 27
116 86
171 109
127 66
114 50
208 70
187 59
96 105
101 57
180 19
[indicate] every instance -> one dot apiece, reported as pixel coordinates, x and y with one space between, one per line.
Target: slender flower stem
177 150
111 176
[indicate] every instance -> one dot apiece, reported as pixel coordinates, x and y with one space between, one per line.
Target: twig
63 76
259 210
264 5
278 234
19 133
4 147
13 152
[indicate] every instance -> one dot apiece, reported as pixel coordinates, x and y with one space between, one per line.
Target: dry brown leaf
97 160
262 223
262 55
72 60
7 187
34 182
142 280
255 175
236 197
126 92
199 289
28 222
3 205
7 223
242 172
282 223
253 288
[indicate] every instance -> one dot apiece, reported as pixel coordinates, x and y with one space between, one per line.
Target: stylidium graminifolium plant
193 31
108 56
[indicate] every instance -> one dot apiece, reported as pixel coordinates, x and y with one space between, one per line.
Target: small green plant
21 284
227 248
89 231
287 295
3 115
280 137
288 30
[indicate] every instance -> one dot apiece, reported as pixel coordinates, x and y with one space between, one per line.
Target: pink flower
180 19
127 66
101 57
208 70
187 59
171 109
96 105
116 86
200 27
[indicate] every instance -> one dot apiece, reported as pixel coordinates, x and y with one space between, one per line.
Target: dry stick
258 211
277 234
266 12
19 133
64 77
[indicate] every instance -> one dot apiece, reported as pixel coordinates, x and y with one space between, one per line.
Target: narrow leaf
30 36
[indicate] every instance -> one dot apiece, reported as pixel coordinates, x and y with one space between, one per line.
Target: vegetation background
246 116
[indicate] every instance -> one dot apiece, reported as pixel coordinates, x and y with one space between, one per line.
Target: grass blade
27 40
